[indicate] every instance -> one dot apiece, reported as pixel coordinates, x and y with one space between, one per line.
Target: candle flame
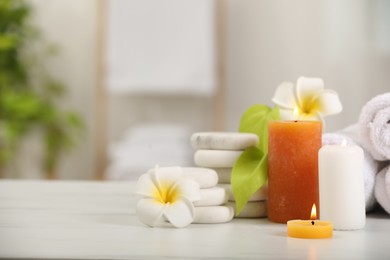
344 142
313 214
296 112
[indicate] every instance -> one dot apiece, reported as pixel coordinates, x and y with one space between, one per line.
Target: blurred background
109 88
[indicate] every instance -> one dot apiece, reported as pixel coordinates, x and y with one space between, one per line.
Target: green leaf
255 120
248 175
7 42
250 172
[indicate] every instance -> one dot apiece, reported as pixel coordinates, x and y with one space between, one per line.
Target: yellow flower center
309 106
167 194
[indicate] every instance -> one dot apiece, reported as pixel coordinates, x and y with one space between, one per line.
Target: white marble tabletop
96 220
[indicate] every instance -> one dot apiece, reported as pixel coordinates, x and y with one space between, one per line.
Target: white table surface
96 220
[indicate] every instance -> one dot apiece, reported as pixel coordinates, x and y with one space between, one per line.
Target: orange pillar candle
292 169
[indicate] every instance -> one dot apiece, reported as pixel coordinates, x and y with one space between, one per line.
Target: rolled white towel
382 188
370 165
374 127
336 139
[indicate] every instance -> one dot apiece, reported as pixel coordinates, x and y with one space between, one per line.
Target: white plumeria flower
167 196
308 98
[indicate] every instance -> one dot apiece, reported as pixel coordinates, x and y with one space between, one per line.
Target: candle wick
312 223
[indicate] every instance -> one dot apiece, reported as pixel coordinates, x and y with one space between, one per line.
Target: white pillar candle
341 186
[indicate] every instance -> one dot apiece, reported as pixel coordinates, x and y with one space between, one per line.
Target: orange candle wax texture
306 229
292 168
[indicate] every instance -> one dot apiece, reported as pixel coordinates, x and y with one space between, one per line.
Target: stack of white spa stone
212 208
218 151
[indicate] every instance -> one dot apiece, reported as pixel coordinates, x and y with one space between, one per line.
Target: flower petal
329 103
310 117
188 189
150 211
166 176
284 95
145 186
181 213
286 114
307 92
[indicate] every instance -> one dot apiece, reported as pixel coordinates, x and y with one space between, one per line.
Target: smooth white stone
255 209
223 140
224 174
206 178
216 158
213 215
212 197
259 195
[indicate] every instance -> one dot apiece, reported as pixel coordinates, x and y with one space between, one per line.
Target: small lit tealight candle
310 228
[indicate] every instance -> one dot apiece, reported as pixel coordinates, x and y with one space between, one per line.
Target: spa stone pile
218 152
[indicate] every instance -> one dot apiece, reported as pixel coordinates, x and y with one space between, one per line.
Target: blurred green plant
28 94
